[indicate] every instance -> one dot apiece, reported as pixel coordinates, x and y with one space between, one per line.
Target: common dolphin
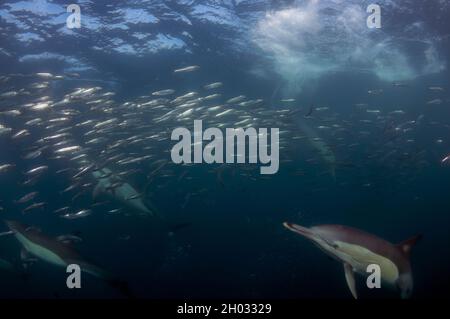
357 249
123 192
56 253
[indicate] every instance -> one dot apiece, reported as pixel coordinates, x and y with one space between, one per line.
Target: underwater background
378 98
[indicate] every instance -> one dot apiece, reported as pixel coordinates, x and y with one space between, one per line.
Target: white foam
306 42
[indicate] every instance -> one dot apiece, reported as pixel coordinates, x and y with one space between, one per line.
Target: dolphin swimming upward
54 252
123 192
357 249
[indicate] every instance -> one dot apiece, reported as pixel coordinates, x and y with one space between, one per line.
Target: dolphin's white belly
360 257
40 251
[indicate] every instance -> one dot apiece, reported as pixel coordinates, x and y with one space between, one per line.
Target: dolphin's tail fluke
153 211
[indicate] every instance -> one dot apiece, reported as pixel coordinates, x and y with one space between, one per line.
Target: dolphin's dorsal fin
407 245
350 277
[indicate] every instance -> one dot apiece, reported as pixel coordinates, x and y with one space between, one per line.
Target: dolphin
123 192
56 253
114 187
357 249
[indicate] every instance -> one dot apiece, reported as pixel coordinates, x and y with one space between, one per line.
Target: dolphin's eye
332 244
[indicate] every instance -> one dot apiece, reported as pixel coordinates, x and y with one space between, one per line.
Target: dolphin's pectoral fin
350 278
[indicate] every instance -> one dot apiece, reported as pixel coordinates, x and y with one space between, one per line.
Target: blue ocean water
378 99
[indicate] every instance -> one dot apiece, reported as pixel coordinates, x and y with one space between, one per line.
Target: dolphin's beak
306 232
